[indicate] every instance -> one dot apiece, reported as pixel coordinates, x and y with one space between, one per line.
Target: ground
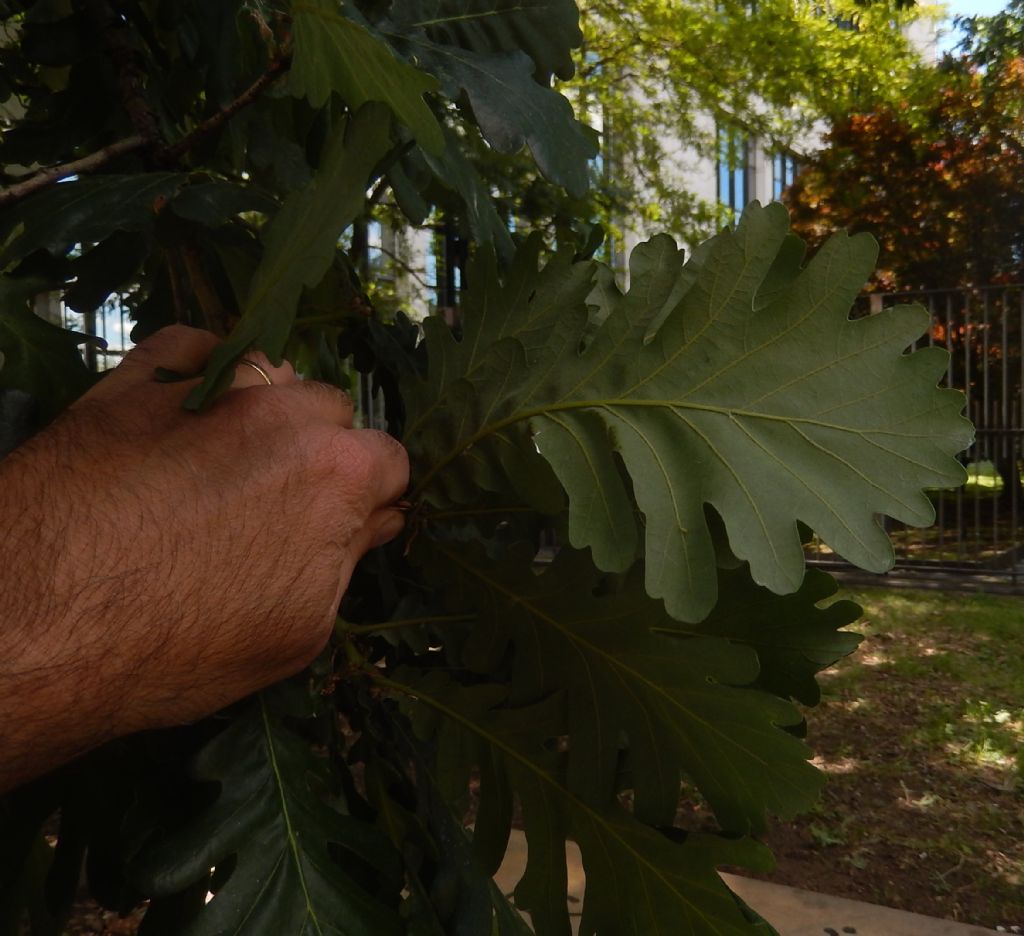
922 735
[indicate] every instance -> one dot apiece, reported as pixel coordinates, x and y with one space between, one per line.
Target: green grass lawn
982 481
973 642
922 735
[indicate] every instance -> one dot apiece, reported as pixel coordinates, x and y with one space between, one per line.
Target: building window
733 173
783 173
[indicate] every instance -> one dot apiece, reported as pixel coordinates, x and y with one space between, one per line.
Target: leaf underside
756 395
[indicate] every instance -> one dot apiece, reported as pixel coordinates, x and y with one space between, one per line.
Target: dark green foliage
642 879
278 825
39 359
334 54
299 245
672 438
628 671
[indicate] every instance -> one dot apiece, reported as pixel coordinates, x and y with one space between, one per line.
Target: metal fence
978 528
110 322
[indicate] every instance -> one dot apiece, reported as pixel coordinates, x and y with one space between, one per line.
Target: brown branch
102 156
115 34
276 68
404 267
52 174
175 275
215 315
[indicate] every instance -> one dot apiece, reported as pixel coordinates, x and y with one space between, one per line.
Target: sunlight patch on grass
874 658
836 765
1005 867
927 800
982 480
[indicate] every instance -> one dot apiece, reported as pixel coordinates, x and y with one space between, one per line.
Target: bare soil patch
921 733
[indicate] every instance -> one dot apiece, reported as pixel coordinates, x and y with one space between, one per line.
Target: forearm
57 681
48 716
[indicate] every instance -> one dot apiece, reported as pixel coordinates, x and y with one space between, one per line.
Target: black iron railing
978 529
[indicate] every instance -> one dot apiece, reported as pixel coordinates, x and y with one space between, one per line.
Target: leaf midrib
594 816
293 842
613 403
614 663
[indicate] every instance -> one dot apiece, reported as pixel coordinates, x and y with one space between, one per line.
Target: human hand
169 562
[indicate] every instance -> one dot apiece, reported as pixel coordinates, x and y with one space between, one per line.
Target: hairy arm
46 663
156 564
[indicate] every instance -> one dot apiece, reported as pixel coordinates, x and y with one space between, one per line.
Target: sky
974 7
968 8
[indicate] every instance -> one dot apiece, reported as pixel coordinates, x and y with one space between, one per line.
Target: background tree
204 160
661 77
938 179
658 78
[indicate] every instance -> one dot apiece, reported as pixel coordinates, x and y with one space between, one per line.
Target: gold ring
259 370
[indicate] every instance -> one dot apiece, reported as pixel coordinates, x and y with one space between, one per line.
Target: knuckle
169 335
318 392
354 460
390 449
261 421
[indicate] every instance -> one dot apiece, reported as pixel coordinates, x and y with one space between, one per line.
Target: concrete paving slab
791 911
795 912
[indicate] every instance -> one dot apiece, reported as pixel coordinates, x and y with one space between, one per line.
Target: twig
130 77
215 315
105 154
346 629
90 163
944 874
276 68
390 158
404 267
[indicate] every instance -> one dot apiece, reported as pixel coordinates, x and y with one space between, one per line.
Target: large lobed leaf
673 702
794 636
333 53
638 879
499 56
274 826
300 243
756 395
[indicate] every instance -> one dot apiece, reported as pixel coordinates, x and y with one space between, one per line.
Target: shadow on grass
922 735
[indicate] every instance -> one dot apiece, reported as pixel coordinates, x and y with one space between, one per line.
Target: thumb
381 527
